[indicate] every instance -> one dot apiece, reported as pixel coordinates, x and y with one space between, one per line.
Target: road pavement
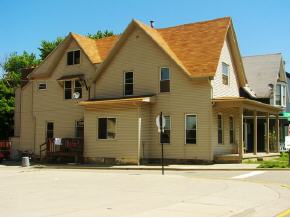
84 192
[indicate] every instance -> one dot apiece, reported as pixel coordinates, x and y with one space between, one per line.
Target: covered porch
256 129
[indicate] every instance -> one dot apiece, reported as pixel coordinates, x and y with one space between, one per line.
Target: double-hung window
73 57
72 86
78 87
280 95
165 136
232 129
67 89
225 73
106 128
190 128
220 129
164 79
128 83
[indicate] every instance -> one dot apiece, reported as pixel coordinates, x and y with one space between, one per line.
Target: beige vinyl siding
142 56
218 88
124 146
27 120
226 147
49 104
17 111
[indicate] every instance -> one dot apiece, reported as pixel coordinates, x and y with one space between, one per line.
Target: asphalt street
83 192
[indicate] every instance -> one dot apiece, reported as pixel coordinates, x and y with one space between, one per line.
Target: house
193 73
267 78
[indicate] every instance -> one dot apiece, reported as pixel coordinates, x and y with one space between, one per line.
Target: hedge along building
193 73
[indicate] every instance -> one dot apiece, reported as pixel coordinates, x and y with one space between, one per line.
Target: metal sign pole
161 132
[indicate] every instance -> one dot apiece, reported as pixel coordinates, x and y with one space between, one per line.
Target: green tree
11 67
47 46
99 34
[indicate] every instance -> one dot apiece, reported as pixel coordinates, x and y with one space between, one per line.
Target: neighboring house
267 78
193 73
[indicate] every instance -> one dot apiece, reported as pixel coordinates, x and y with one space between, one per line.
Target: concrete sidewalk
144 167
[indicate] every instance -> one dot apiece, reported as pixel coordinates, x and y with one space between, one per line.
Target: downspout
139 134
34 118
210 120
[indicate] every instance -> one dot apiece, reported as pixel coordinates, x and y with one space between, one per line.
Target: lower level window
190 128
165 136
220 129
106 128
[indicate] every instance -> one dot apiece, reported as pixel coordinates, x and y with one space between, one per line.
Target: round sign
158 122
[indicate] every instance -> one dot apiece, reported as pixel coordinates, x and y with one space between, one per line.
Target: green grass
281 162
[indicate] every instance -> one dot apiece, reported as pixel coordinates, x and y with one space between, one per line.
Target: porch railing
67 145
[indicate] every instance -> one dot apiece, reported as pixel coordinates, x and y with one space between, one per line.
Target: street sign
158 123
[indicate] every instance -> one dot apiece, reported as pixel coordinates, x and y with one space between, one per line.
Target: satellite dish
76 95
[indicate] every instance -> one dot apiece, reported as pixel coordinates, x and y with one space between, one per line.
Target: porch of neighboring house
258 130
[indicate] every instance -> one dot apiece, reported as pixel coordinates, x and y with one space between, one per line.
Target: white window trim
222 120
283 87
40 83
74 57
72 90
97 132
160 68
228 67
169 129
124 82
196 128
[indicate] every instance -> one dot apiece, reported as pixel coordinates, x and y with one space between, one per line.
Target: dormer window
72 86
73 57
225 73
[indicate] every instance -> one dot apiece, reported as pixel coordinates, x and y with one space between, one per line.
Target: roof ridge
193 23
279 53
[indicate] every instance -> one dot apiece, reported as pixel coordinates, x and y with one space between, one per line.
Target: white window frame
124 82
41 83
160 69
73 57
228 76
167 129
283 95
222 128
72 89
97 132
196 128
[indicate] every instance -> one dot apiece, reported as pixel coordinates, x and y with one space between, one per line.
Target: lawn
281 162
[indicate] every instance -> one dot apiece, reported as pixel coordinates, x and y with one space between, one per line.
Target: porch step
227 158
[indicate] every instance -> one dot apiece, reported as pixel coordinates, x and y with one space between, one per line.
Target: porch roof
240 102
121 100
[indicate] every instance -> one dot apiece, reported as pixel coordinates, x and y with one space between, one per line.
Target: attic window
73 57
225 73
164 79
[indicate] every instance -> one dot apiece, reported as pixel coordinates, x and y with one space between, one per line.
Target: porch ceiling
240 102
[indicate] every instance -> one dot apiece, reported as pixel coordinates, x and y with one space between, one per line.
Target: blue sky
262 26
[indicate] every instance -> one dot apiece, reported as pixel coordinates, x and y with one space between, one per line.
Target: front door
49 130
79 129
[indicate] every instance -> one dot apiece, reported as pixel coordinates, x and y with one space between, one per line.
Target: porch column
241 132
267 133
277 132
255 132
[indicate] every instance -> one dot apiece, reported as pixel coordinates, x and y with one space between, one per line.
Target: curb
157 169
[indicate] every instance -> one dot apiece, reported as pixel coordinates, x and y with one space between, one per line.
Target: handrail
41 150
